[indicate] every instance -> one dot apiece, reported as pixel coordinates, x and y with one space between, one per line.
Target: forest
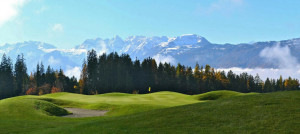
119 73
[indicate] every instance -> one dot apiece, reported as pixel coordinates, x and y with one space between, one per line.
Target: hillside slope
258 113
277 112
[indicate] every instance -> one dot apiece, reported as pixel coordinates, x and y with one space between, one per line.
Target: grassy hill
163 112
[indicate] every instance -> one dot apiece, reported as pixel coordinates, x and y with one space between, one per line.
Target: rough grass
256 113
49 108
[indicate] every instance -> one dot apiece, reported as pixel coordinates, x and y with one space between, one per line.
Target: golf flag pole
149 93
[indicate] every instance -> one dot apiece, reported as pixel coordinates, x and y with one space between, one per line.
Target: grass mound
215 95
50 108
116 94
115 101
58 94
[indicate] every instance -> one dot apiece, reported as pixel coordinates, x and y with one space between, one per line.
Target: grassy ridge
121 103
257 113
215 95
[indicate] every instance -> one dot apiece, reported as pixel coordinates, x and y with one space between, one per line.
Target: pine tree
280 84
38 76
137 76
6 78
190 81
42 72
50 76
21 76
91 71
267 86
102 74
60 81
258 84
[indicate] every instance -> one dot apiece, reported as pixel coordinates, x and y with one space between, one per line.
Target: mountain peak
116 39
189 39
36 44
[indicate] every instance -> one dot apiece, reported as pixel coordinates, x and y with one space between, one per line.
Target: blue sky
66 23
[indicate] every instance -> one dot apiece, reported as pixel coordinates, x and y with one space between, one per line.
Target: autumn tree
83 79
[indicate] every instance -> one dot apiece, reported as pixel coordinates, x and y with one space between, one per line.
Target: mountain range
187 49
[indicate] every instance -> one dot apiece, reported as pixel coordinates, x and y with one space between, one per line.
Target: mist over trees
119 73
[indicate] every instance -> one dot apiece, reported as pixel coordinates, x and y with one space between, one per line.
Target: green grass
120 103
49 108
214 95
162 112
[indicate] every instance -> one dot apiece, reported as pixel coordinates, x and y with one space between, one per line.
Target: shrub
55 90
44 89
31 91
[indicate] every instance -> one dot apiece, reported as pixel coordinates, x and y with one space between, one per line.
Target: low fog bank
265 72
281 56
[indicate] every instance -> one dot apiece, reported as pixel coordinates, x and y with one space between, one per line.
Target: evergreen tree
258 84
280 84
50 76
38 76
190 81
60 81
6 78
137 75
42 73
91 71
267 86
21 76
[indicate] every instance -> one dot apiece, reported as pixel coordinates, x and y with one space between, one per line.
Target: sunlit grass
162 112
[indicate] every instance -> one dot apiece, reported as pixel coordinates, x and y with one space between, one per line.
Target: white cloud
75 71
265 72
103 49
280 56
9 9
163 59
53 61
221 6
58 28
41 10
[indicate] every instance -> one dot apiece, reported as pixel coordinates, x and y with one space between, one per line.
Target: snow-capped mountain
186 49
143 47
35 52
189 49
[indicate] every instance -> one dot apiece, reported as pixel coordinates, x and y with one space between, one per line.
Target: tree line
119 73
15 81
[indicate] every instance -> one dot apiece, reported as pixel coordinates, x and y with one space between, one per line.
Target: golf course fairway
160 112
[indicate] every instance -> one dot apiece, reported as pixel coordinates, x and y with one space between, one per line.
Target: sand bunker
78 113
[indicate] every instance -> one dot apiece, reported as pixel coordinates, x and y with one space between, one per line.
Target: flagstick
149 93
